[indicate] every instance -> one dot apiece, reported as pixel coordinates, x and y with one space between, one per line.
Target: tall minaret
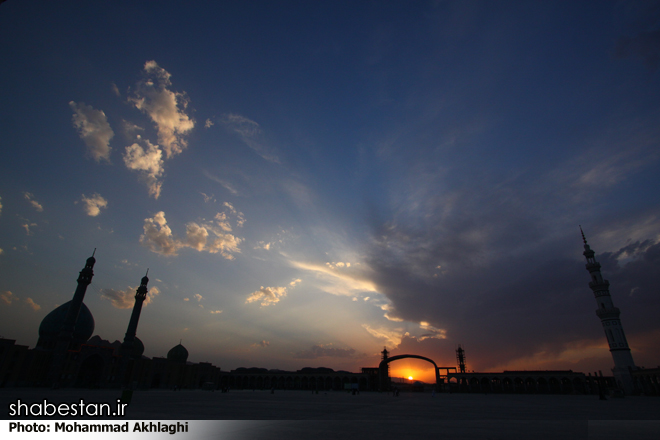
140 296
609 316
66 332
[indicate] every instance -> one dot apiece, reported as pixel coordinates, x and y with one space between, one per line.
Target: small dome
178 354
52 324
138 348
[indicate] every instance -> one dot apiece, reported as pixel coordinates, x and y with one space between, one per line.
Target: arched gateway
383 370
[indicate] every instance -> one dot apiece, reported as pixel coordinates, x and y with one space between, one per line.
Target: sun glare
409 377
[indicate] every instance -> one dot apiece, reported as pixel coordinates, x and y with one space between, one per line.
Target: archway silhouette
382 369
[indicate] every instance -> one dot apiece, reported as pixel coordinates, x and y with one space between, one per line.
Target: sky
310 182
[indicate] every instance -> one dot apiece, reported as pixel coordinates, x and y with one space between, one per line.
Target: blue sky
308 182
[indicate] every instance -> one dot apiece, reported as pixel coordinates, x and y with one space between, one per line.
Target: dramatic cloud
166 109
32 304
125 299
208 237
8 297
30 198
319 351
94 204
250 133
94 130
149 162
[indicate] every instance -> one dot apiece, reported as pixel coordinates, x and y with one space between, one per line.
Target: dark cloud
505 293
645 43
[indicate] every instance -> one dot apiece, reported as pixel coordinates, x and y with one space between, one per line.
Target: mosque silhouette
66 355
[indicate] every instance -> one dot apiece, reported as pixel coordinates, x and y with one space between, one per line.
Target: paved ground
300 414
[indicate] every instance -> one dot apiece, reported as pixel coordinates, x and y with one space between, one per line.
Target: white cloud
130 130
202 237
125 299
207 198
392 337
262 344
196 236
431 332
223 223
158 236
388 308
228 186
208 124
166 109
149 162
271 295
8 297
30 198
338 282
267 295
32 304
94 130
250 133
94 204
216 312
198 297
27 227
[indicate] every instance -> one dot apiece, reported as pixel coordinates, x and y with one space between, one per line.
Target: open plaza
338 414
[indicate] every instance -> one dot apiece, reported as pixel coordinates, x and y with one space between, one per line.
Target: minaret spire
140 296
609 316
65 337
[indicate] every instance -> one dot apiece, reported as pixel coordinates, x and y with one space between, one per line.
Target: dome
138 348
178 354
52 324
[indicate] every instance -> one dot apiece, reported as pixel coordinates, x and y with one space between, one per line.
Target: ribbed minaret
140 296
129 351
609 316
65 336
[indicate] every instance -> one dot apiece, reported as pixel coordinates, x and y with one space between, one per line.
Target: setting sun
409 377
